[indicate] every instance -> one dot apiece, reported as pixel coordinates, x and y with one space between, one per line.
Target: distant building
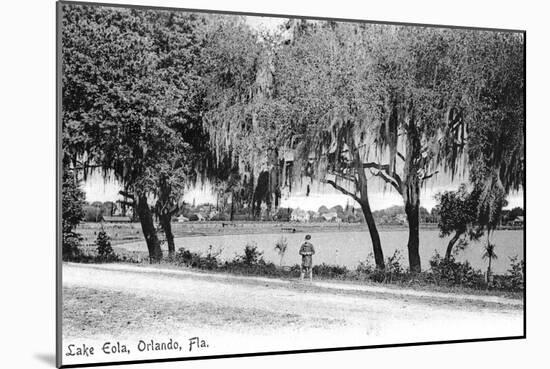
299 215
213 213
518 221
401 218
116 219
331 216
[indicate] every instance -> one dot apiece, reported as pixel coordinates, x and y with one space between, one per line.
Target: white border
27 152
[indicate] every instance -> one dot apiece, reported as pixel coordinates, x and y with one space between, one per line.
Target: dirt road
241 314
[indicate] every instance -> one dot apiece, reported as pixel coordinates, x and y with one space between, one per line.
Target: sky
97 189
264 23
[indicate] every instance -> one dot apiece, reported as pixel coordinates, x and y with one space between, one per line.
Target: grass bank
448 276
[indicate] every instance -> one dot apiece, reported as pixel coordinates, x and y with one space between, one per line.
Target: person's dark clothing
307 250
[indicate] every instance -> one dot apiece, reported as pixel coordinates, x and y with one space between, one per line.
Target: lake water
348 248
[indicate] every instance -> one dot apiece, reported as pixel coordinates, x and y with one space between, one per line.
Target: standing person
307 252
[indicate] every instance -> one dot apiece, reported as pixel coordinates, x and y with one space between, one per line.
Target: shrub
393 264
393 271
330 271
452 273
196 260
103 243
365 267
251 255
70 243
517 273
514 280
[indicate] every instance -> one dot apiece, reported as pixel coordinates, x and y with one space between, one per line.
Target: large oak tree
128 95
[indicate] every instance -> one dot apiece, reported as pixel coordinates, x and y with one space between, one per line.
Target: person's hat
308 237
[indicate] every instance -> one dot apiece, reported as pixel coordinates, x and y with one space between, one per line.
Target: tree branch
343 190
126 194
383 173
347 177
394 182
376 166
430 175
85 166
127 203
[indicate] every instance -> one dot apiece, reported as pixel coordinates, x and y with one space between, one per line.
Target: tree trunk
374 235
412 210
165 222
363 200
488 278
148 227
411 195
410 190
451 244
232 211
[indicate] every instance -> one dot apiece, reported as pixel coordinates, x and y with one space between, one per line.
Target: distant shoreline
130 232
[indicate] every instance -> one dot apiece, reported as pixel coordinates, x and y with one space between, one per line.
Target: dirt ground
244 314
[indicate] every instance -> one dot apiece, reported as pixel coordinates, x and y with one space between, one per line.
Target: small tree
490 255
103 243
457 213
281 247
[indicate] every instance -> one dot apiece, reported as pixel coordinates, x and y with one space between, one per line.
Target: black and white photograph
247 184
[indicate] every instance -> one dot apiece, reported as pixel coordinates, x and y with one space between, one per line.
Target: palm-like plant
490 255
281 247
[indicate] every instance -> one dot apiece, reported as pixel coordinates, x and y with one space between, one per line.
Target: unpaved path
342 314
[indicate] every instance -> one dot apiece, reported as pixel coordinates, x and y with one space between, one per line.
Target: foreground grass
92 312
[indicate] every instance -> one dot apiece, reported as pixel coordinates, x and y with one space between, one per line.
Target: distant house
212 214
518 221
299 215
331 216
182 219
116 219
401 218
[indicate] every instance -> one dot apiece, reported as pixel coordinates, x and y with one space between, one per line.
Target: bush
103 243
330 271
196 260
393 264
514 280
252 263
367 267
393 271
251 255
453 273
517 274
70 243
